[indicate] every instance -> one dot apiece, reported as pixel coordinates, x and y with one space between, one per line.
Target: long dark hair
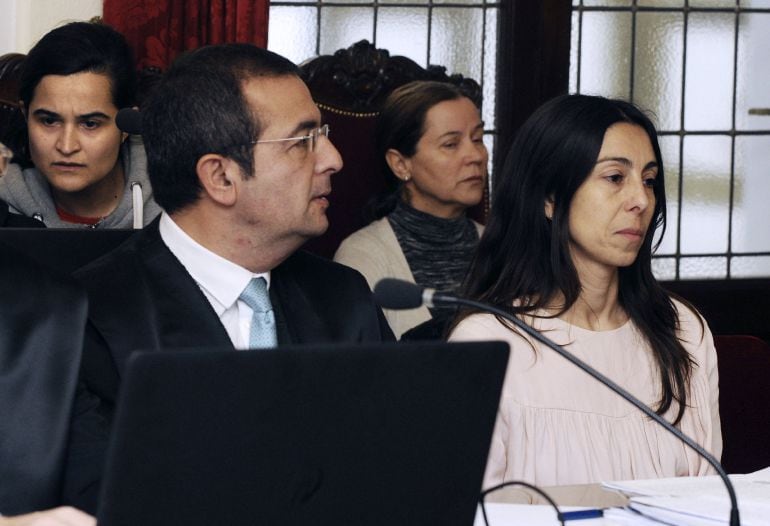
400 126
524 257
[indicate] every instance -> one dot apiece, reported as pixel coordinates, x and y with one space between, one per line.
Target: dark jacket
42 319
142 297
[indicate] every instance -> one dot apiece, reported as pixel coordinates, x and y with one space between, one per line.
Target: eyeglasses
310 139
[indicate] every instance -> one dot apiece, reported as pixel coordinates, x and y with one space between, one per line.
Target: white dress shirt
221 280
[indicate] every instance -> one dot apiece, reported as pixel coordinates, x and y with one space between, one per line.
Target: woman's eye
614 178
650 182
450 145
48 121
90 125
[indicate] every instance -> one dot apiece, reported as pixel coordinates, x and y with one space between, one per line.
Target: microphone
129 120
398 294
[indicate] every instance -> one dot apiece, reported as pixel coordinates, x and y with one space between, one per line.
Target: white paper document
698 501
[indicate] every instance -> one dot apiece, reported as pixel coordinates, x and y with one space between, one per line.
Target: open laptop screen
363 434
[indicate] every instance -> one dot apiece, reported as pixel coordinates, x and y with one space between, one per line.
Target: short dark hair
524 262
81 47
197 108
400 125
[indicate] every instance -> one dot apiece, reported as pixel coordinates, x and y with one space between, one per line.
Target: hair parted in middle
523 262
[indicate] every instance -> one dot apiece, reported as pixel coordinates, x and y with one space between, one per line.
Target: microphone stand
430 298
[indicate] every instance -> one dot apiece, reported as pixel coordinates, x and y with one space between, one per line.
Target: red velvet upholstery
744 402
350 87
352 187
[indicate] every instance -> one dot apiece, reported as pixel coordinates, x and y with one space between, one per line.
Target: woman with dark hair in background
430 140
568 249
86 171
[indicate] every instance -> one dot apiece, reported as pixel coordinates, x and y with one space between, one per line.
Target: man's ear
399 165
549 207
216 174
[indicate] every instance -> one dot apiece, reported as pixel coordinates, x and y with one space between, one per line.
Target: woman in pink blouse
568 249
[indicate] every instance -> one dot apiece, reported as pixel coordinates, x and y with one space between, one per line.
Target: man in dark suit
242 167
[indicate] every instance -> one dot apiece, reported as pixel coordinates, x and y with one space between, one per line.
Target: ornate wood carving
358 79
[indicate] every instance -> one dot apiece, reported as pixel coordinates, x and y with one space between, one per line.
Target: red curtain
158 30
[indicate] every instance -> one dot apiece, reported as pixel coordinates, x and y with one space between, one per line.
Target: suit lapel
297 321
184 315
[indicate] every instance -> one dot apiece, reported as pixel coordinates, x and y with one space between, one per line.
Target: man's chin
317 228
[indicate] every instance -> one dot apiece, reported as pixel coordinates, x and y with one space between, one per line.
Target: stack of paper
695 501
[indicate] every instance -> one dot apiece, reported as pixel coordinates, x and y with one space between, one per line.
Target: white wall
28 20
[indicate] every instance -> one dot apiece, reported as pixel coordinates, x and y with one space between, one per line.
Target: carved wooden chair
350 88
12 125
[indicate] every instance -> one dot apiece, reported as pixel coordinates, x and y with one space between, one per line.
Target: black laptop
355 434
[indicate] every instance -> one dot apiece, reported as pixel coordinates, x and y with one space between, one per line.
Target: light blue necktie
262 333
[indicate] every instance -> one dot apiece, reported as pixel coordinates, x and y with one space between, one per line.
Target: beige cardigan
374 252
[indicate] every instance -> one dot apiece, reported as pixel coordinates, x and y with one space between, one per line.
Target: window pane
403 2
661 3
343 26
458 2
359 2
709 82
753 73
664 268
750 267
703 268
706 193
456 40
404 31
607 2
573 52
606 54
292 32
669 148
490 142
750 194
658 66
755 3
489 82
713 4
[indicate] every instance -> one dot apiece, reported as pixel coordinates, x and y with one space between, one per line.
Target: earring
407 177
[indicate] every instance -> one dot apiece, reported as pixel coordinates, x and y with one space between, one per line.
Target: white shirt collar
221 279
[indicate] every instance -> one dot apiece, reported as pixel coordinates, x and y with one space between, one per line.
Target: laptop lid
356 434
64 249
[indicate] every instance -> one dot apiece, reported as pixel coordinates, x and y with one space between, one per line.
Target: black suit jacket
142 298
42 319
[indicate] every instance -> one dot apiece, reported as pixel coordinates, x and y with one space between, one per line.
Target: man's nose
328 158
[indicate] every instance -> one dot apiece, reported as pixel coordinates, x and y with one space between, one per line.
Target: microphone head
129 120
397 294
